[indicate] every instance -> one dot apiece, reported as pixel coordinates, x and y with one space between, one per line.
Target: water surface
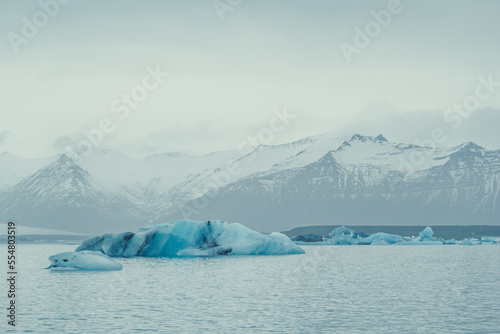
330 289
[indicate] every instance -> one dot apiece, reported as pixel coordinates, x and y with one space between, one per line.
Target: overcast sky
230 67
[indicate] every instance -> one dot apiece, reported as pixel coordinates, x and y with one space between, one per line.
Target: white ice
85 260
192 238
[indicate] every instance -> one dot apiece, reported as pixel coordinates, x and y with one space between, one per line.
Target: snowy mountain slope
246 163
163 170
313 181
459 186
64 195
13 169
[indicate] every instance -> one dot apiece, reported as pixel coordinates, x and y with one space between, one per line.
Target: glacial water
330 289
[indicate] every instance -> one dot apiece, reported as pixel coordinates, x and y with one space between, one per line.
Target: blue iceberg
346 236
492 240
191 238
85 260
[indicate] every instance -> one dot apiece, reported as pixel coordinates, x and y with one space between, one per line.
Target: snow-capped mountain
313 181
64 195
13 169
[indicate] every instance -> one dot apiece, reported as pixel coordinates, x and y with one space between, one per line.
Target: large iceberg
192 238
85 260
346 236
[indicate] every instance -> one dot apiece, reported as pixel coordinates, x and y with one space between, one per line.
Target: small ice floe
85 260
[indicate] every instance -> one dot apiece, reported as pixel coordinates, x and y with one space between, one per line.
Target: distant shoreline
458 232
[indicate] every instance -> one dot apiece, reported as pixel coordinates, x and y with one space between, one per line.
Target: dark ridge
144 243
308 238
128 236
224 251
358 137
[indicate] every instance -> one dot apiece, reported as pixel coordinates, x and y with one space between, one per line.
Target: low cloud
61 143
4 136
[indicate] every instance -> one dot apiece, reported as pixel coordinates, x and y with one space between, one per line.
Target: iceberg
191 238
346 236
494 240
380 241
85 260
389 239
308 238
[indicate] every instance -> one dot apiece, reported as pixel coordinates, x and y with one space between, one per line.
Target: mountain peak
63 167
378 139
359 137
342 147
328 159
467 150
64 160
471 146
7 154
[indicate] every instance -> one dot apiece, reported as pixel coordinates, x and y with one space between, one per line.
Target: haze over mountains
319 180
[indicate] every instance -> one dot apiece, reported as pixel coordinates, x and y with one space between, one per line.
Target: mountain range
320 180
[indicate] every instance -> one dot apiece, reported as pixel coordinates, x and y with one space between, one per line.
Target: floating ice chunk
389 238
425 237
427 234
380 241
191 238
342 230
495 240
343 236
342 239
85 260
469 242
416 242
308 238
346 236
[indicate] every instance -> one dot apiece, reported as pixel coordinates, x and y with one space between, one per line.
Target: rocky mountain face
319 180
